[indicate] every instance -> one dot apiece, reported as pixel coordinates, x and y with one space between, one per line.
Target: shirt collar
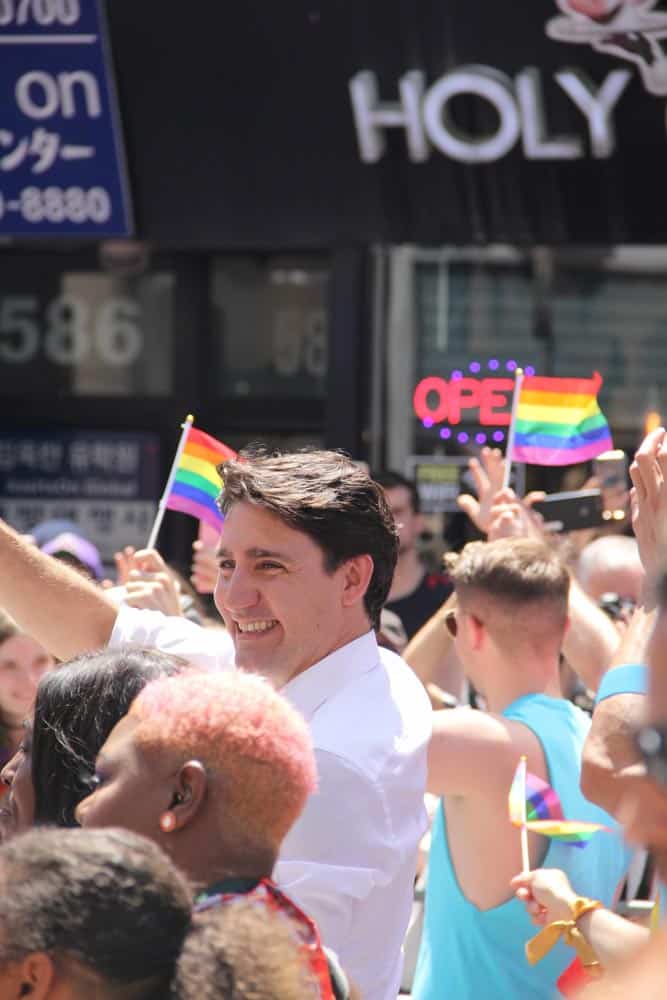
311 688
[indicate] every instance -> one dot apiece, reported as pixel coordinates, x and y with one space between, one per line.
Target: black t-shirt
416 608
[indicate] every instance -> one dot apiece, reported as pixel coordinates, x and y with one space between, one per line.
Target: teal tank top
467 953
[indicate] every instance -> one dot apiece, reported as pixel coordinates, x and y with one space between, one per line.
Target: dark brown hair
76 707
327 496
388 479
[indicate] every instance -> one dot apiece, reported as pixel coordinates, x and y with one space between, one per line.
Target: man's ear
34 978
189 793
357 574
477 630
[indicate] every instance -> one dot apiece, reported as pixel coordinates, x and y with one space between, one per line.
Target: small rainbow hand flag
196 485
543 812
558 421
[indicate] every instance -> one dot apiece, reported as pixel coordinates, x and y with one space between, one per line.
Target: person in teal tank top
511 617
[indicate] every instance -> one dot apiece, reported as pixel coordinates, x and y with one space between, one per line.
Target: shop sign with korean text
62 165
105 482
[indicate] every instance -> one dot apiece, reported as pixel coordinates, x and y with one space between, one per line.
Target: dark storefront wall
258 211
240 129
93 340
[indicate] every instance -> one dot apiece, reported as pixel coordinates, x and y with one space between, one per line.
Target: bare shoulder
475 753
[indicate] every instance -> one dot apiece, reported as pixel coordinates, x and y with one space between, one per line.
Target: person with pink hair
215 768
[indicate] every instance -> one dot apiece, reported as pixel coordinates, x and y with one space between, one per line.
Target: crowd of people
246 806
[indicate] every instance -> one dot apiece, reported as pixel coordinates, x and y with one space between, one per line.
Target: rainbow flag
543 811
196 485
558 421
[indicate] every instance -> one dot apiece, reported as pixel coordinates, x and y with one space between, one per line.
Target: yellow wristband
568 931
582 905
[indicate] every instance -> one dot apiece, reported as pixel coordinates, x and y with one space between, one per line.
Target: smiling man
307 553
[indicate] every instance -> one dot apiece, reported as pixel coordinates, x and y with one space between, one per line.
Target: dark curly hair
242 951
108 900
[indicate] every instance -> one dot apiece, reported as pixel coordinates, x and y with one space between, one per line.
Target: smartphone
571 510
611 469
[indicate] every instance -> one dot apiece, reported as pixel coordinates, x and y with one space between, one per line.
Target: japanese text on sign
61 157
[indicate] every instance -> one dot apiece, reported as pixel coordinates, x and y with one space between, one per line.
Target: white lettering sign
425 115
68 334
40 95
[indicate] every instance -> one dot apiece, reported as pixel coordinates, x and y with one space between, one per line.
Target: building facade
328 203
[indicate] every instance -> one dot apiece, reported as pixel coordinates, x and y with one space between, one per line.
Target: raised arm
591 641
428 650
52 602
610 761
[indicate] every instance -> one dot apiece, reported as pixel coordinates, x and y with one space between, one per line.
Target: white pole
525 859
510 434
162 506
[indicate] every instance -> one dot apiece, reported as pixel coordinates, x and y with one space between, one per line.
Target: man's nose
237 592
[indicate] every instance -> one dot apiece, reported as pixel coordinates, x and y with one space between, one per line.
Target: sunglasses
451 623
651 744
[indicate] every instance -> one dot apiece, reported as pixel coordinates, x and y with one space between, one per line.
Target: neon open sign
438 401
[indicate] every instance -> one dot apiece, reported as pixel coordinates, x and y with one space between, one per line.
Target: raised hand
149 584
204 570
488 473
648 498
510 517
546 894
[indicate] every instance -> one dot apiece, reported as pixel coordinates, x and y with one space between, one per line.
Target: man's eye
226 565
267 564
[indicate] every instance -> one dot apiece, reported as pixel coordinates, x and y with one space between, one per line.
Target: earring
167 822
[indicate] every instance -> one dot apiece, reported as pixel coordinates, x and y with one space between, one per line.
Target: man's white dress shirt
349 860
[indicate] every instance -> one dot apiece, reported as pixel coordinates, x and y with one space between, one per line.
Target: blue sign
106 482
61 152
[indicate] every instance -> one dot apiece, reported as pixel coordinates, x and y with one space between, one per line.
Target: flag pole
162 506
510 434
525 859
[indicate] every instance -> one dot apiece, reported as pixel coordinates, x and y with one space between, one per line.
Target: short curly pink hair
244 732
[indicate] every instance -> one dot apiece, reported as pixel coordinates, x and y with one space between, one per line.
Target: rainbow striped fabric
559 422
197 484
543 812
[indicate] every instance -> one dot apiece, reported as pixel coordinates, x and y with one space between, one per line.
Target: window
270 327
77 331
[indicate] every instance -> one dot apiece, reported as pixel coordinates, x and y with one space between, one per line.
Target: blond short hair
512 571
